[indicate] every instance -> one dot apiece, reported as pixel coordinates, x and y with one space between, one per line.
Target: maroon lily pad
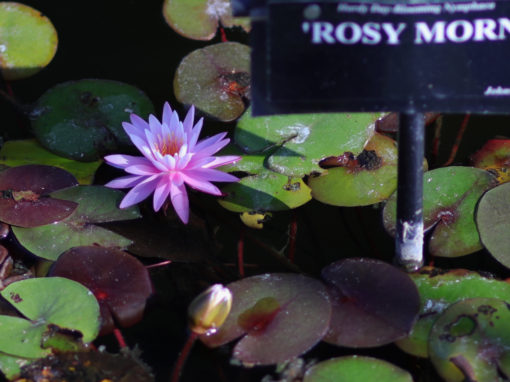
373 303
24 199
269 310
119 281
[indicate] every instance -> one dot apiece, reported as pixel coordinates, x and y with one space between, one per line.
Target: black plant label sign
383 56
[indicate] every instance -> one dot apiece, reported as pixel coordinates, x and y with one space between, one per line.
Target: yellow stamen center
169 144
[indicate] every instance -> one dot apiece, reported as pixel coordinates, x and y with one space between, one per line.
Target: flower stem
183 356
160 264
120 338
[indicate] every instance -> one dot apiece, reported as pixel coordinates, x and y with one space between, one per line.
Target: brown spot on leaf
15 297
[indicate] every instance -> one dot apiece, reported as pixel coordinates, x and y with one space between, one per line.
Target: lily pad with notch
267 311
373 303
215 79
96 204
471 341
450 195
25 199
82 120
356 369
439 289
120 282
28 151
493 222
199 19
47 304
361 180
28 40
304 139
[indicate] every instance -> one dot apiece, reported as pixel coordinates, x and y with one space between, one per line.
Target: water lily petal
205 143
179 199
123 161
221 161
140 192
211 175
161 192
201 184
188 121
213 146
125 181
142 169
138 122
167 114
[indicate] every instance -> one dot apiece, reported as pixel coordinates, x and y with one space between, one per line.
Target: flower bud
209 310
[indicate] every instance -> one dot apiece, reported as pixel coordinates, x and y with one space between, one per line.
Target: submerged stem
183 356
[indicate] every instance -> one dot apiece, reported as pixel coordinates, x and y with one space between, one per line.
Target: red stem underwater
183 356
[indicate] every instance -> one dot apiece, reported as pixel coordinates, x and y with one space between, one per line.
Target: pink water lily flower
172 158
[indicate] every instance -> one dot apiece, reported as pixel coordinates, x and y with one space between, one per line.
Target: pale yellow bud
209 310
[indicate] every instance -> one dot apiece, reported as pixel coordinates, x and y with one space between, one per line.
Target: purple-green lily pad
304 139
267 191
373 303
25 200
494 156
199 19
450 195
215 79
120 282
356 369
268 310
470 341
28 151
438 290
82 120
96 204
493 222
28 40
368 178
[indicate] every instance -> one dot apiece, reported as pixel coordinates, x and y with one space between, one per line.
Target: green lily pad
82 120
493 221
11 365
267 191
249 164
97 204
28 151
471 341
28 40
305 139
46 303
450 195
356 369
268 310
438 289
215 79
369 178
199 19
55 300
22 338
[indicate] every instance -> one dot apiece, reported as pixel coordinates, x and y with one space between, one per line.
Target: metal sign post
385 55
